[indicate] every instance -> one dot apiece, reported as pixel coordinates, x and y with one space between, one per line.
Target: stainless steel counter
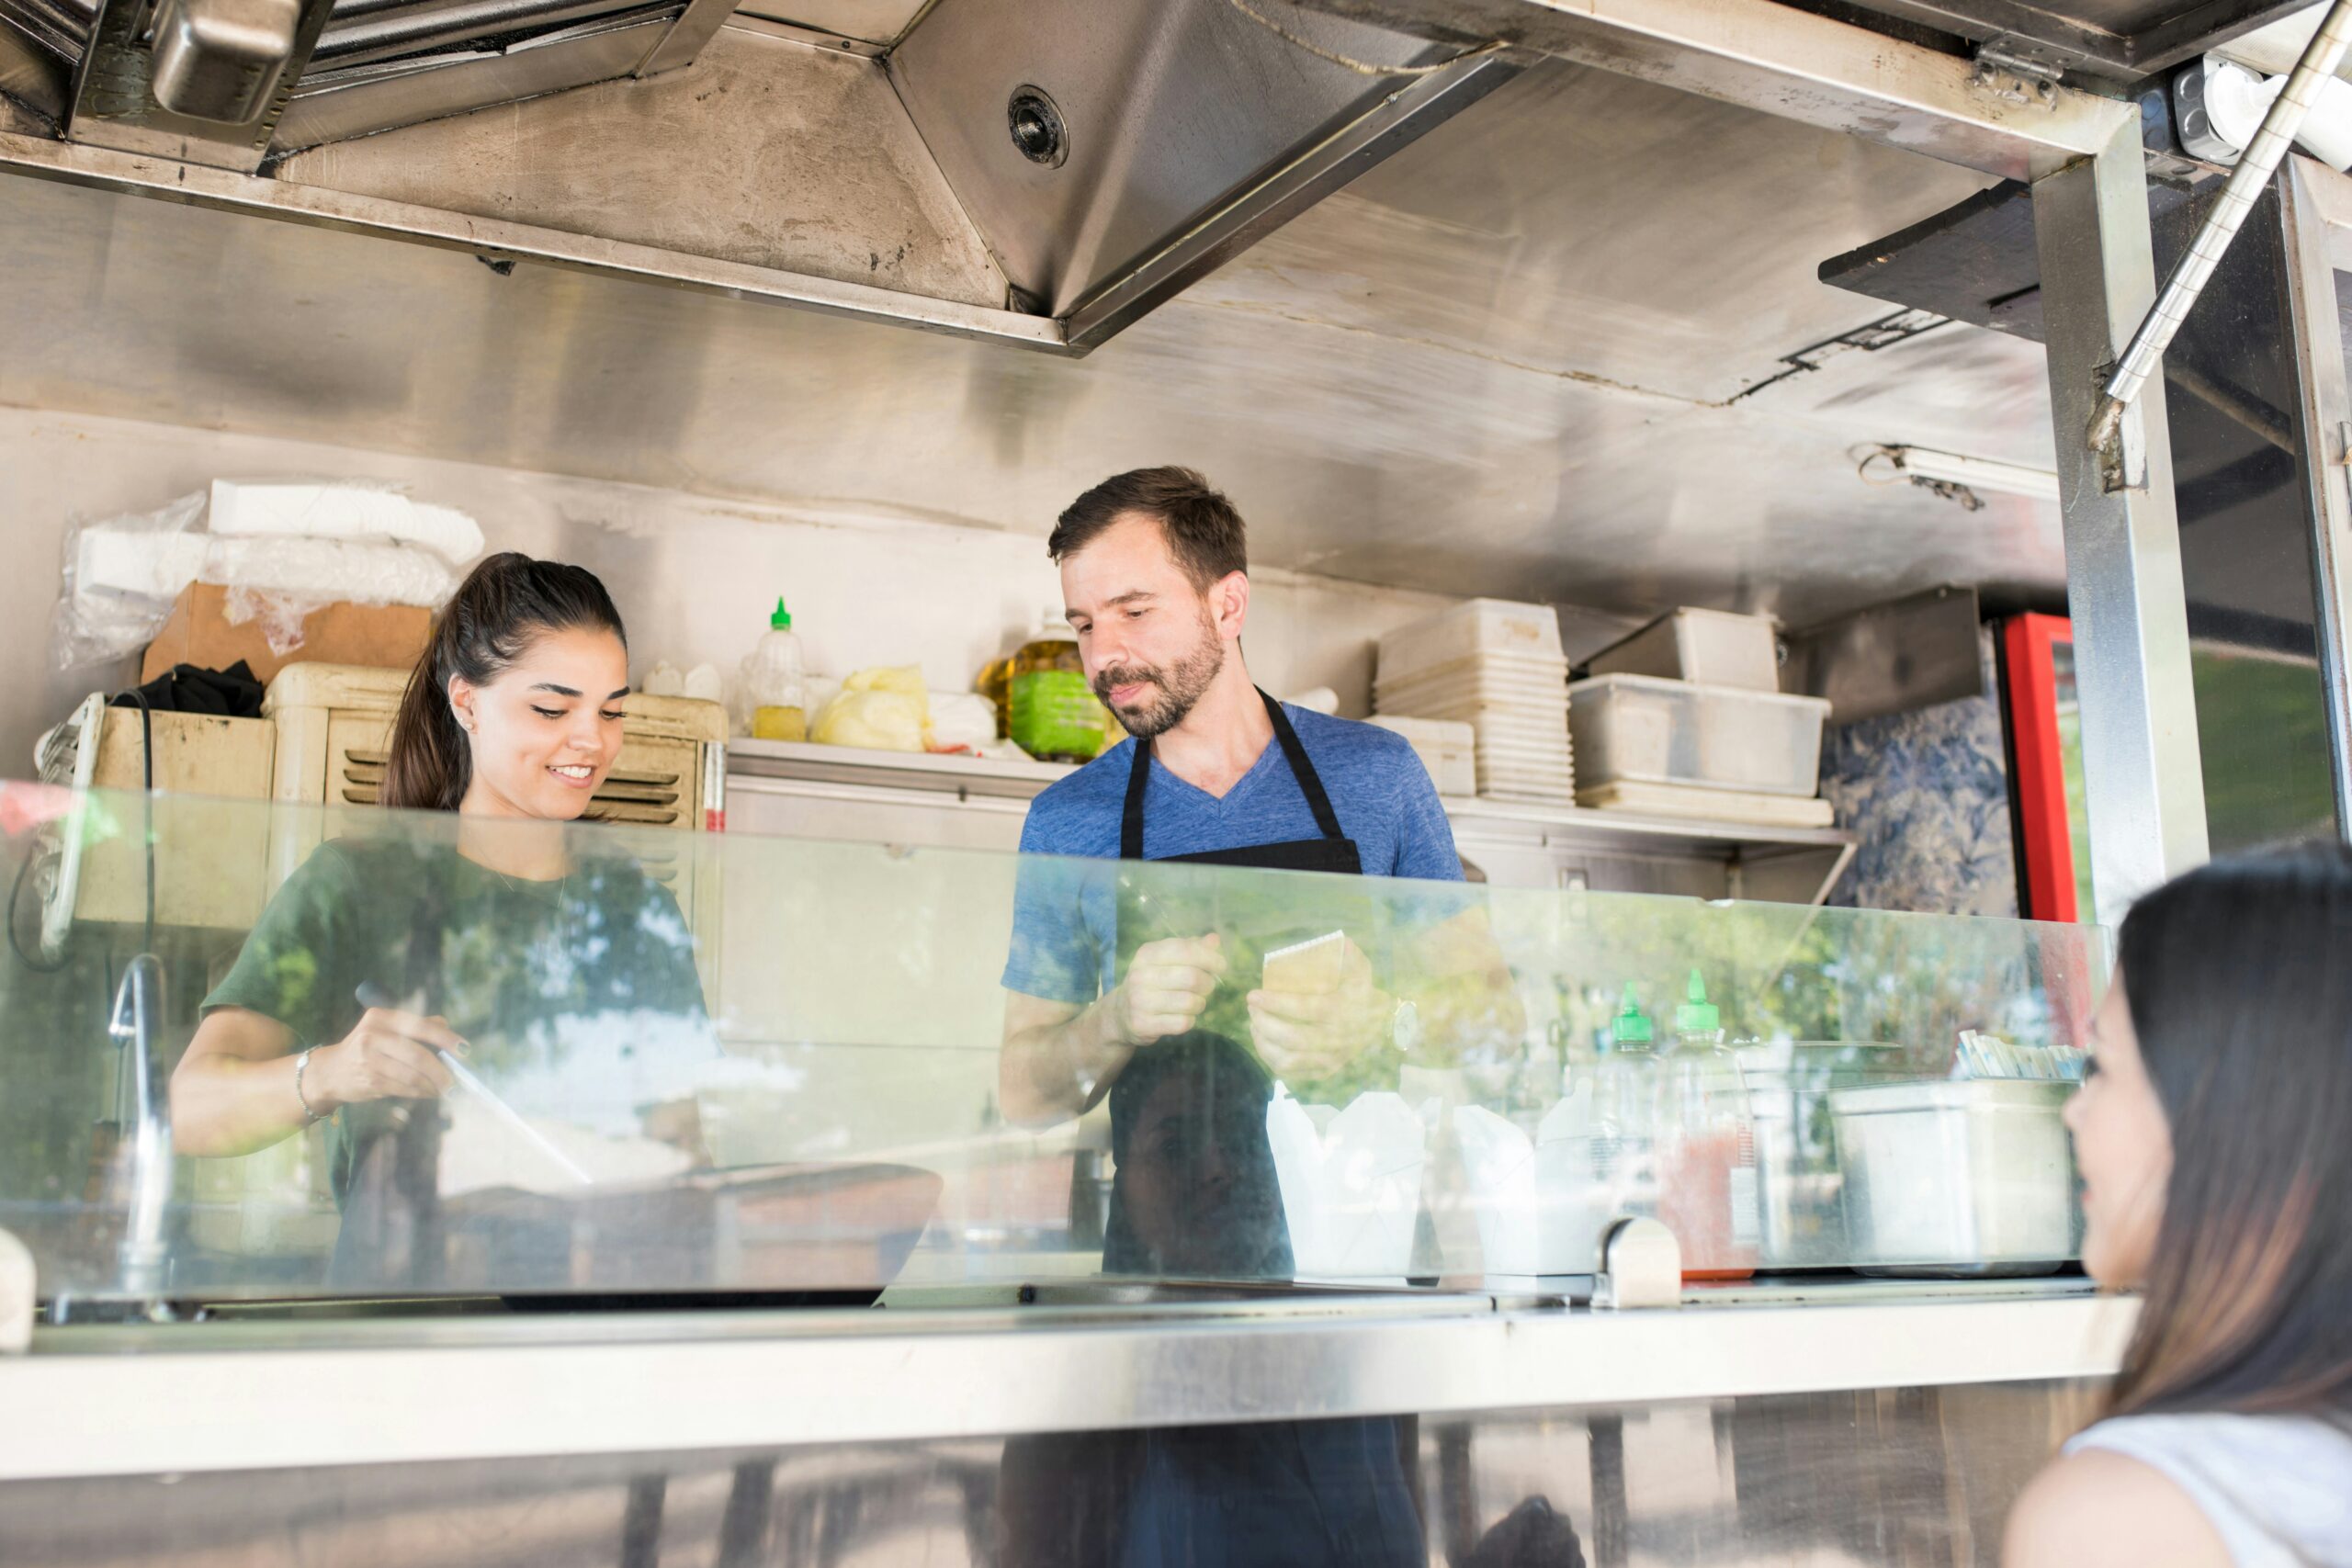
261 1394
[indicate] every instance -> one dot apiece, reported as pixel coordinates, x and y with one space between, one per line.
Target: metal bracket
1641 1266
2122 456
2017 72
114 102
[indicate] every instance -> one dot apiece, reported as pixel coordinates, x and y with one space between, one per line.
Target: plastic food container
1968 1177
1474 627
1706 647
1638 728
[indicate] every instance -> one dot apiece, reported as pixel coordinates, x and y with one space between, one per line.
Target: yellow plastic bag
882 709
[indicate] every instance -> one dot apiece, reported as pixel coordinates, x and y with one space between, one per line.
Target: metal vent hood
1037 172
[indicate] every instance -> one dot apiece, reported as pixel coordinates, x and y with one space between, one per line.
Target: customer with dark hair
570 975
2215 1141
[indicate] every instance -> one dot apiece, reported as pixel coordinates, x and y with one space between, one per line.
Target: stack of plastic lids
1497 666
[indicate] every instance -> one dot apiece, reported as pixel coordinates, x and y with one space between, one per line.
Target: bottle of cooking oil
777 682
1052 714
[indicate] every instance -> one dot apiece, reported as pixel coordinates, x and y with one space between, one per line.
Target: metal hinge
2016 71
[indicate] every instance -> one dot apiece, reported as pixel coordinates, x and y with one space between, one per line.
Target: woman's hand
388 1054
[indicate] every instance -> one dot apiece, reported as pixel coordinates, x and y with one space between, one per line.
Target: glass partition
613 1062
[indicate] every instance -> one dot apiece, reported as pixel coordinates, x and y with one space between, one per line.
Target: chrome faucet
143 1157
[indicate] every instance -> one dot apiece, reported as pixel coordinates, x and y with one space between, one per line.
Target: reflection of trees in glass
2266 754
2070 769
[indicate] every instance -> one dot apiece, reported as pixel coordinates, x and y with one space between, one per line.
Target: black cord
147 801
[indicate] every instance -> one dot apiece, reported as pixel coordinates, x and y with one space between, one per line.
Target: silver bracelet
301 1062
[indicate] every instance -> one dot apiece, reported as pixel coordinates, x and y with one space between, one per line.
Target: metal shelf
850 792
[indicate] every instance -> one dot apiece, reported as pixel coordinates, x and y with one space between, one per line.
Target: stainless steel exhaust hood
1039 172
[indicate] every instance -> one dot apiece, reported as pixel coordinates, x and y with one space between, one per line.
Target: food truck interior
1713 1142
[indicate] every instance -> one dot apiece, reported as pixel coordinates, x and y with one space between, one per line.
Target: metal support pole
2325 415
2124 577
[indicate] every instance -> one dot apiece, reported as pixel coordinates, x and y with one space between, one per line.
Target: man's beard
1174 689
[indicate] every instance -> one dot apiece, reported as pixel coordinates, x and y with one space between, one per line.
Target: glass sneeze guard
777 1068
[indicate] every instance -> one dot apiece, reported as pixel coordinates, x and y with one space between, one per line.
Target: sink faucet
143 1159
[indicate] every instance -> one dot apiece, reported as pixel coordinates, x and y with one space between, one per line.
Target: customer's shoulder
2099 1507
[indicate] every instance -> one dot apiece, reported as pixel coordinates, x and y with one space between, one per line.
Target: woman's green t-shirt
578 997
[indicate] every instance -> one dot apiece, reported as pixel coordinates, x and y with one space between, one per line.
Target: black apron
1334 851
1296 1493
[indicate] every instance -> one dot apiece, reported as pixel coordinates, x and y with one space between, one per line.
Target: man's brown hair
1204 533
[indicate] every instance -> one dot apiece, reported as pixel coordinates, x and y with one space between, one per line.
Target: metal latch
1641 1266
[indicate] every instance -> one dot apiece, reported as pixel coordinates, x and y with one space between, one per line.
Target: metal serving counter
836 1270
1847 1422
258 1395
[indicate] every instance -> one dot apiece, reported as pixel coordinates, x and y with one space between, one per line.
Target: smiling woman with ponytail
476 942
509 605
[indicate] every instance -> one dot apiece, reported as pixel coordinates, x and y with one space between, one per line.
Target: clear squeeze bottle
779 682
1625 1084
1708 1183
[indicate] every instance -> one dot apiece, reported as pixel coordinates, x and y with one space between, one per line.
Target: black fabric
1334 851
234 692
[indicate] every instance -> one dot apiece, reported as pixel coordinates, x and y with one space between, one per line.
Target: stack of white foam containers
1497 666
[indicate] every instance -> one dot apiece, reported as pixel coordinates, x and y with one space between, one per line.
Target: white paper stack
1495 666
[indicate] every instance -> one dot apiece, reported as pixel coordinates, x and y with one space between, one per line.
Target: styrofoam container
1546 680
1706 647
1475 626
1647 730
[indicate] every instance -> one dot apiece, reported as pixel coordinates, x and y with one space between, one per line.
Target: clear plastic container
1638 729
1467 630
1706 647
775 682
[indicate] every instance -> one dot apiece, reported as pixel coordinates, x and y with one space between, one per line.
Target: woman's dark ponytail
504 602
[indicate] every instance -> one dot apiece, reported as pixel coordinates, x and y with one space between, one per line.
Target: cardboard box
388 637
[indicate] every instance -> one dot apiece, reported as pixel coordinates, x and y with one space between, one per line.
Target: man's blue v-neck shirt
1064 934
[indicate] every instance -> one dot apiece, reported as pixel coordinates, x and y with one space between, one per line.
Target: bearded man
1155 575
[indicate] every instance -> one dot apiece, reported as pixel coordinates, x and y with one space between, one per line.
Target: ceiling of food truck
1528 356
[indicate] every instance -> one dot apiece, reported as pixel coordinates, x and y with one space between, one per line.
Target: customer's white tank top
2277 1488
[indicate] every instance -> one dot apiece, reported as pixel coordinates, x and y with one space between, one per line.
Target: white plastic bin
1471 628
1706 647
1640 729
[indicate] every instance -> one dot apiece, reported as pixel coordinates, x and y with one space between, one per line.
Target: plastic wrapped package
961 721
882 710
120 577
352 513
122 574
